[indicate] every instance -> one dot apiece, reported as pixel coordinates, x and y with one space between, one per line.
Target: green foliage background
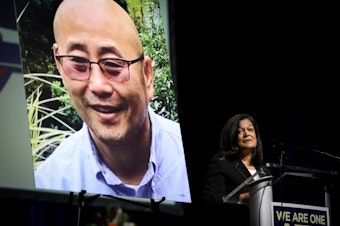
51 114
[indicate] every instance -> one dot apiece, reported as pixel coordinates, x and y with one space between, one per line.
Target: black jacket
222 177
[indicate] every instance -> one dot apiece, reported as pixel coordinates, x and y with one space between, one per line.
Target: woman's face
246 139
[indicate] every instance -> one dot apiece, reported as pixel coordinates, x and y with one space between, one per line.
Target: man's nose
98 82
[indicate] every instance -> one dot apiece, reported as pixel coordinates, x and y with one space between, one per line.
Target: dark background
277 62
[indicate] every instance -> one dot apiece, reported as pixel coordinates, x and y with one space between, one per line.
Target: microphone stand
319 152
82 201
326 188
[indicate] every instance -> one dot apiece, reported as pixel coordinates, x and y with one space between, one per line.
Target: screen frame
12 186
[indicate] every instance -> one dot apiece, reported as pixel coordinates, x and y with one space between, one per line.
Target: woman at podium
238 162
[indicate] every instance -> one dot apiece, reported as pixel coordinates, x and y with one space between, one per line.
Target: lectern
261 197
305 186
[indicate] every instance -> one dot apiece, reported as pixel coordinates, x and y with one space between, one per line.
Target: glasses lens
75 67
115 69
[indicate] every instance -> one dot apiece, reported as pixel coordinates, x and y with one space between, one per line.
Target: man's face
112 110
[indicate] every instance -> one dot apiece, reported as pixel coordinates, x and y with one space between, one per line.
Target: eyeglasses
114 69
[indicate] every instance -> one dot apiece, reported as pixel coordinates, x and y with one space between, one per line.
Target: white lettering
317 219
300 217
283 215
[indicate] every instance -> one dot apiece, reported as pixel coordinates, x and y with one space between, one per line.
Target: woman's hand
243 198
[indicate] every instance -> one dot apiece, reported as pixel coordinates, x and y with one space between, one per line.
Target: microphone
280 145
262 172
272 165
283 154
277 143
316 151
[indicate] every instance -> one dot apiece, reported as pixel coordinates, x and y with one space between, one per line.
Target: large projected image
100 96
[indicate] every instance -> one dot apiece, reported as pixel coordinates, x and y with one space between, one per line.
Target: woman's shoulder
221 158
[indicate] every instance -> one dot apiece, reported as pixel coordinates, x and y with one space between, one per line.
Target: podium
296 185
305 178
261 197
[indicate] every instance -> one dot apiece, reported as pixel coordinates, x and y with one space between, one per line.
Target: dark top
222 177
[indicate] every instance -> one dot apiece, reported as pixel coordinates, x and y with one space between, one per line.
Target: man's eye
113 64
79 60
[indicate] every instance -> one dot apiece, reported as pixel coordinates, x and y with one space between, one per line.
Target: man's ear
55 49
55 52
149 77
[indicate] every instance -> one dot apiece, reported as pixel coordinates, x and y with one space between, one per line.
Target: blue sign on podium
289 214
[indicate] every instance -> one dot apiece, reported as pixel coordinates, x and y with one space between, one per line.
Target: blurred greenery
45 139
